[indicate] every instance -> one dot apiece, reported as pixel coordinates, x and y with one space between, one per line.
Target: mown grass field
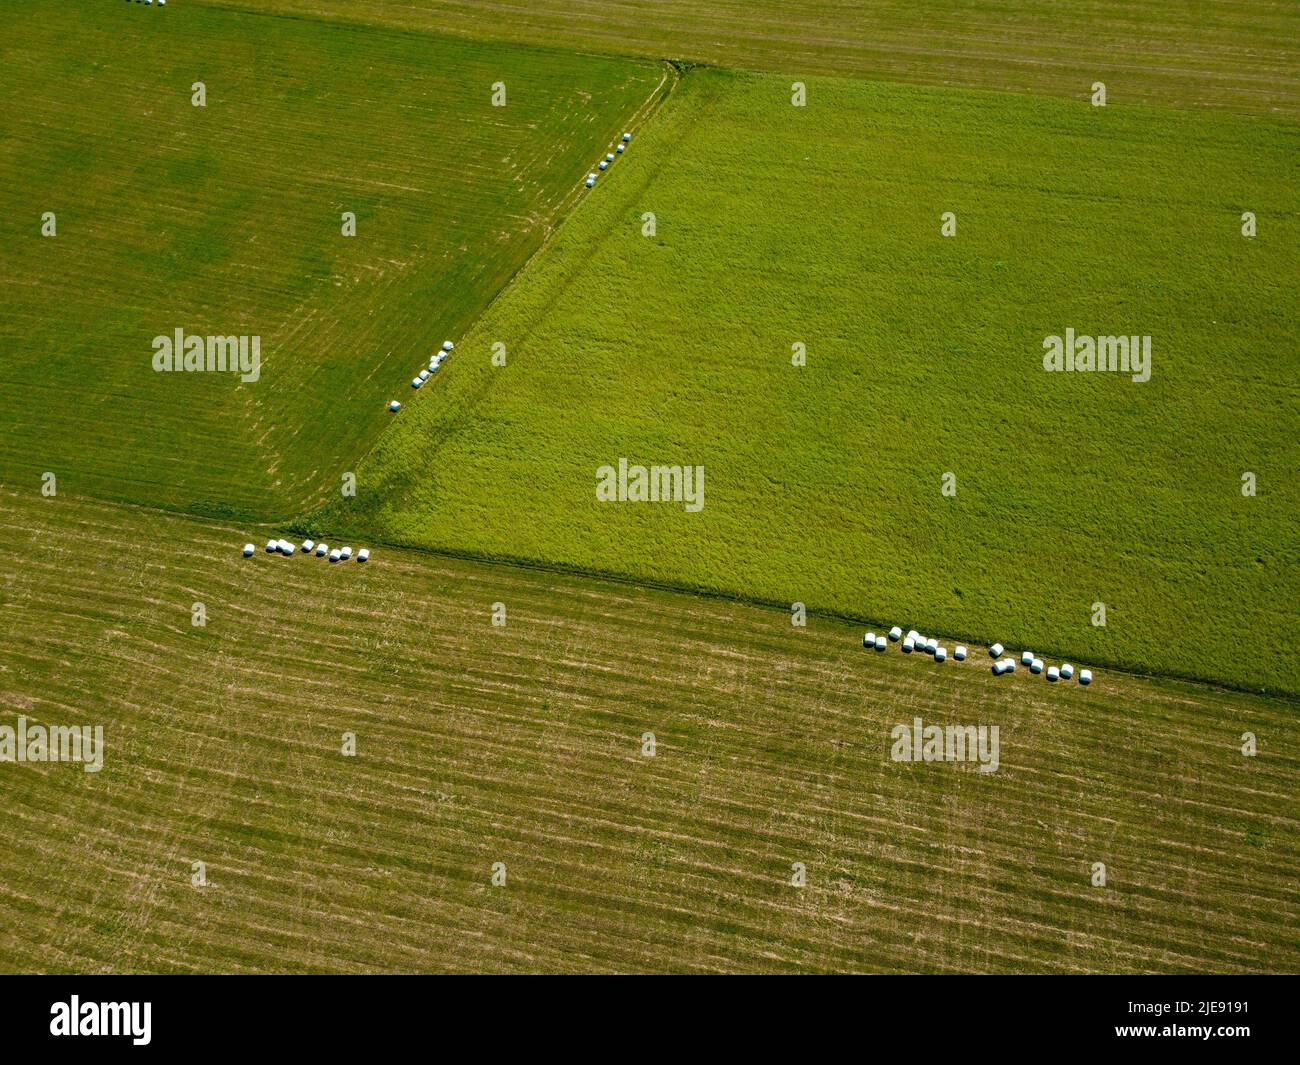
522 745
1240 56
227 220
821 226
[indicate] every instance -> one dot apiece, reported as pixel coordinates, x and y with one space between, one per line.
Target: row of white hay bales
928 645
417 382
161 3
286 548
609 158
914 641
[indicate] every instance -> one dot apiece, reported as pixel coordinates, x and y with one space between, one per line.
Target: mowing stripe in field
1238 56
523 744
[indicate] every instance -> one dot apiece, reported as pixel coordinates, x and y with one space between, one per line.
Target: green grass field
1239 56
774 226
227 220
522 744
777 225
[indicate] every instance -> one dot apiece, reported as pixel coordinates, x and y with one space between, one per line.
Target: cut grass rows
1239 56
479 744
828 484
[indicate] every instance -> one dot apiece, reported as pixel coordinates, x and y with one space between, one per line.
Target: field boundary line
683 588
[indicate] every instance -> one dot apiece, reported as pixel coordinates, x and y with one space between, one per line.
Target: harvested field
522 745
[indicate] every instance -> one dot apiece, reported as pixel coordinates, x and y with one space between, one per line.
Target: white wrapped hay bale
394 406
995 651
998 667
1026 657
416 382
881 643
869 640
1067 671
287 548
941 654
895 633
1036 666
604 165
619 149
609 157
447 345
959 653
590 182
346 553
909 645
272 547
931 645
913 635
248 550
322 550
1085 676
1053 674
626 137
334 555
308 546
363 554
423 375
